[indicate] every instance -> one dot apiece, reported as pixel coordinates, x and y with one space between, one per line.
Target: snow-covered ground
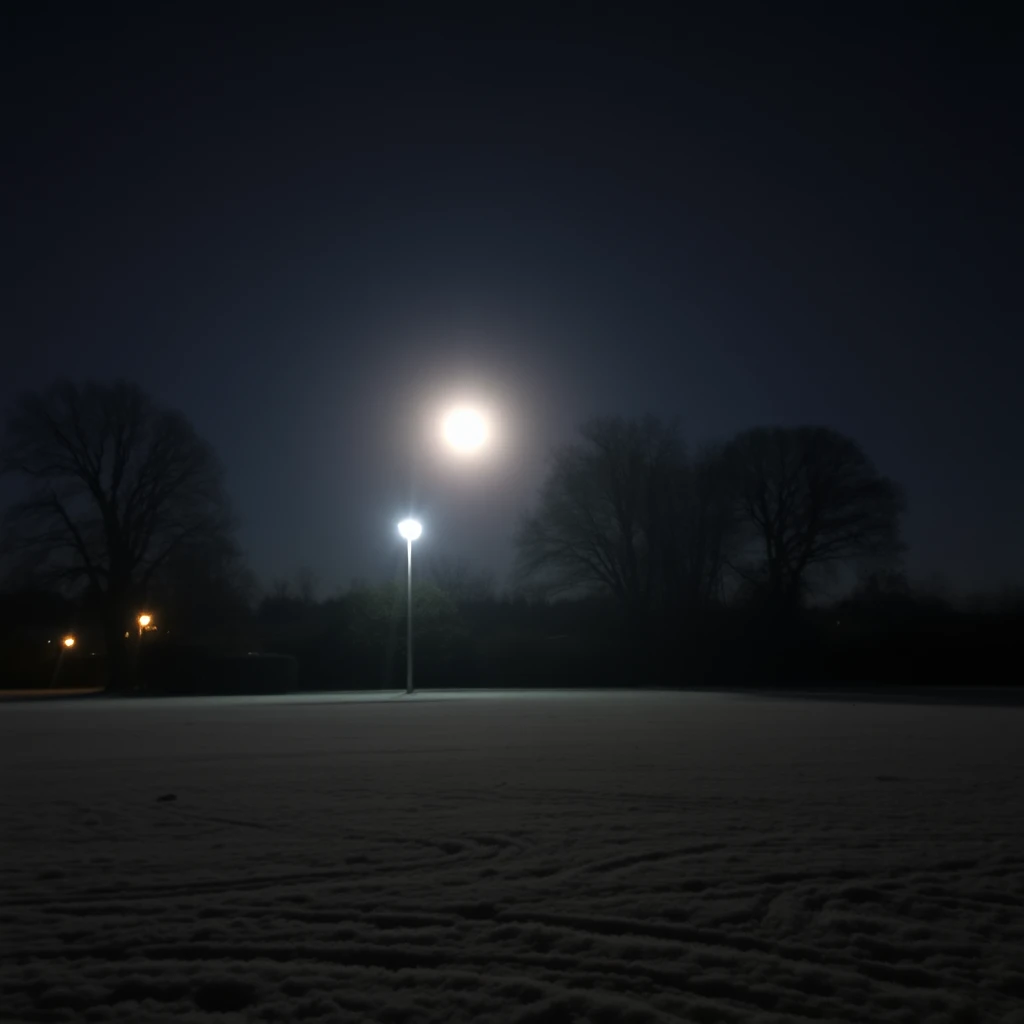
614 857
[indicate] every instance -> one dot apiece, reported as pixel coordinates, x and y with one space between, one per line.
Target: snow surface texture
616 857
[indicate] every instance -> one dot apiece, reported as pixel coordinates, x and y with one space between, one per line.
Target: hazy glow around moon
465 429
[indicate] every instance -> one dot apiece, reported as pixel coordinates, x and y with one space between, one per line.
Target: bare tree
811 500
627 512
457 578
307 585
117 488
204 592
692 531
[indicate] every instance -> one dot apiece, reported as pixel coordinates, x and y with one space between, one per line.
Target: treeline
882 632
879 634
773 558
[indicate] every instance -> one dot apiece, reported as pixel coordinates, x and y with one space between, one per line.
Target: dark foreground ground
545 857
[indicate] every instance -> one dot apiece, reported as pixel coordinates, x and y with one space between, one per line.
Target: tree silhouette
204 592
810 498
118 488
628 513
459 580
375 631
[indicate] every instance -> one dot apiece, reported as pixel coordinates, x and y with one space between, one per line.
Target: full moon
465 430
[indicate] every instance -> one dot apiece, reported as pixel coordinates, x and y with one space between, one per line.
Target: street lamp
66 644
144 621
410 529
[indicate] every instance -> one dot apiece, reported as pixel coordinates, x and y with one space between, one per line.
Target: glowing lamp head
465 430
145 620
69 641
410 529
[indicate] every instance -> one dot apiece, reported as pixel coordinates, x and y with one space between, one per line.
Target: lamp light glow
410 529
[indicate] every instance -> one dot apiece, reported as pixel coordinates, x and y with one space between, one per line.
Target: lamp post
144 621
410 529
465 430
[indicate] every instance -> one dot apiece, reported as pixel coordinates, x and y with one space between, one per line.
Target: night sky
308 235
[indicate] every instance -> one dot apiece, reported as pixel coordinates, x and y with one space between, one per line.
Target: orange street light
69 641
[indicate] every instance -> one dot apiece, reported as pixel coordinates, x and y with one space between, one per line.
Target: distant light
145 620
410 529
465 429
69 641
